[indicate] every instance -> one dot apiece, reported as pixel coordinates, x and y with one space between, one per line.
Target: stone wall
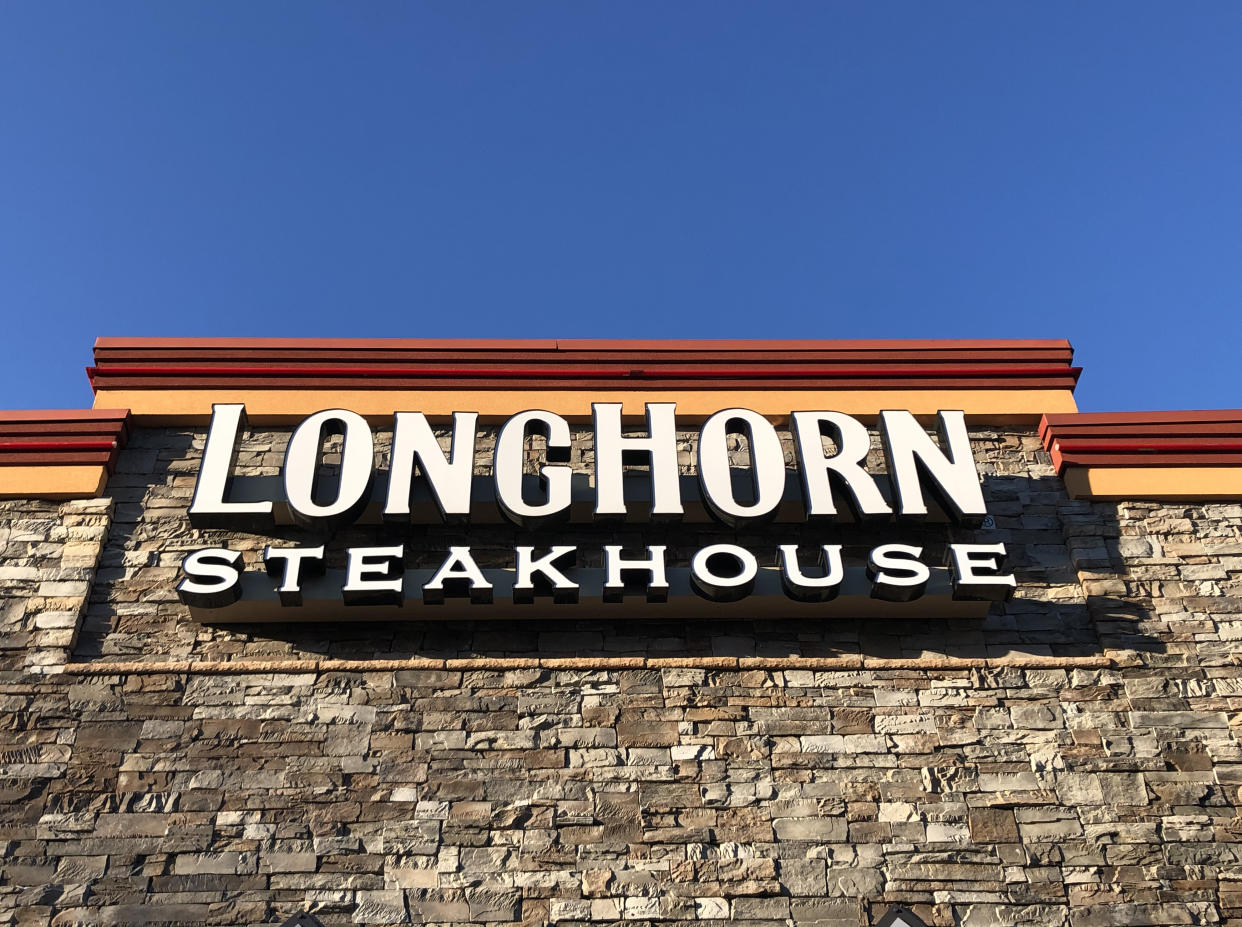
50 554
1068 760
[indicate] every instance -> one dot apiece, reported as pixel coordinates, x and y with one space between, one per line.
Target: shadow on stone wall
1056 545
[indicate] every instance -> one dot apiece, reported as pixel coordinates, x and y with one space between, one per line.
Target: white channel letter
209 507
797 585
448 476
896 572
507 466
458 568
374 576
767 467
718 587
564 590
616 568
614 449
212 578
815 467
302 466
289 565
976 573
908 448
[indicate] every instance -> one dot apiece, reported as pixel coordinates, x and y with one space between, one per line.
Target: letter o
717 588
302 466
767 468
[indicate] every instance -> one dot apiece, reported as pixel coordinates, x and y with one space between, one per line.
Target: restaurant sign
427 486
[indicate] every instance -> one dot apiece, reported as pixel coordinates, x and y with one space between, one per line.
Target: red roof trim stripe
584 344
583 373
61 437
57 445
1209 438
284 363
1205 445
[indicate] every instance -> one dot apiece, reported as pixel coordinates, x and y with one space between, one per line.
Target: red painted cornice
258 363
1211 438
62 436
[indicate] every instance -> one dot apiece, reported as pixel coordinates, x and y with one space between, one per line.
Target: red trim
293 357
57 445
94 417
378 363
1200 438
43 459
62 437
1207 445
584 344
1141 418
1146 461
588 373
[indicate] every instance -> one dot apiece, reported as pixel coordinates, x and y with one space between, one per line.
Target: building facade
259 745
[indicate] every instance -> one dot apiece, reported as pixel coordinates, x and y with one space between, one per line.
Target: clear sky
590 169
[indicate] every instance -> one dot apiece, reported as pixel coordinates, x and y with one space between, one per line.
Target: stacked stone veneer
980 772
50 552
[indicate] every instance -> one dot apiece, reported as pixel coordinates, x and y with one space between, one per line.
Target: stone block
802 877
228 862
438 907
1179 720
487 905
288 862
569 909
854 882
826 912
384 906
818 829
711 909
993 825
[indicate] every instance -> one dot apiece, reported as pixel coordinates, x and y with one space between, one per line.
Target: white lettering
302 476
288 564
896 573
209 508
767 467
463 576
659 450
615 569
449 477
564 590
853 442
908 450
976 573
511 452
373 576
212 578
708 582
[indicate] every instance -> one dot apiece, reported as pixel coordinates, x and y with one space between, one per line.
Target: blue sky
589 169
